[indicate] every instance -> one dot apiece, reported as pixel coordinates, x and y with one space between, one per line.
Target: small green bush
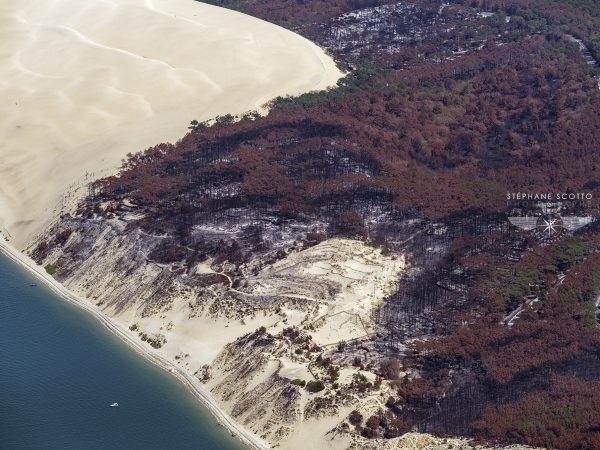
359 378
51 269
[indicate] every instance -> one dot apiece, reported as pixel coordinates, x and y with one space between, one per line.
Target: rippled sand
84 82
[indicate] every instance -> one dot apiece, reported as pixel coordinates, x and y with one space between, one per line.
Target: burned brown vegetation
415 151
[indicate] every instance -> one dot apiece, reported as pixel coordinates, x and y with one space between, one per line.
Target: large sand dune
84 82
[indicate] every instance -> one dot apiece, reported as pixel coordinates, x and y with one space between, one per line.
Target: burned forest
491 332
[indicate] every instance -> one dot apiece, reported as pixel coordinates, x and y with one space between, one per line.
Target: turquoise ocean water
60 369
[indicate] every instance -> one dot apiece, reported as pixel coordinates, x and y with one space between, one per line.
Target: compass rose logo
550 224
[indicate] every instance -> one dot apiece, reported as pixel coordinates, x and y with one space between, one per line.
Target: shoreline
193 385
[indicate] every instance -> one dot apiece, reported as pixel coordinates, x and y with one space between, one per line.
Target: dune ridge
84 83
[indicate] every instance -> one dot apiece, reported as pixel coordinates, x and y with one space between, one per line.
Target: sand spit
84 83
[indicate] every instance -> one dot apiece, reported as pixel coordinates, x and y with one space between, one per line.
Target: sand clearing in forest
85 82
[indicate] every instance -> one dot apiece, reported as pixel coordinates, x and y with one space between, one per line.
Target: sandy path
84 83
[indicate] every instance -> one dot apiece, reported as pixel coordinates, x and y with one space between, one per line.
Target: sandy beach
86 83
132 340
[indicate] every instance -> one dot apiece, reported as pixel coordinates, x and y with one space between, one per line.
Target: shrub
390 369
359 378
63 236
51 269
315 386
355 418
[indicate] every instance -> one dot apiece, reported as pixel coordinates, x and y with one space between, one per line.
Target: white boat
114 405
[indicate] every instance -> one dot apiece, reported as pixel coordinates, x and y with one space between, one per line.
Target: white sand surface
84 82
362 275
